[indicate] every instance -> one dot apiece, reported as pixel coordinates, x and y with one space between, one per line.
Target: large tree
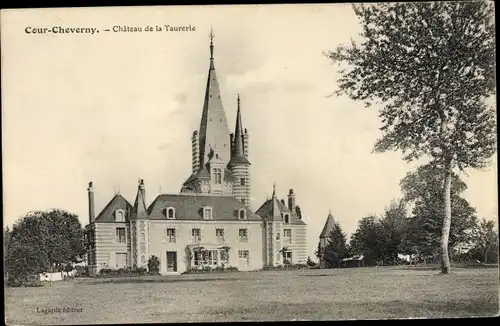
485 242
394 224
336 249
369 240
43 240
430 67
423 189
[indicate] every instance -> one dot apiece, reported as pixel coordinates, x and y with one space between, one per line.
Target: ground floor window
206 258
244 254
288 257
121 260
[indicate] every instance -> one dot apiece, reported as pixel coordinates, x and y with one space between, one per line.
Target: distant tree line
416 234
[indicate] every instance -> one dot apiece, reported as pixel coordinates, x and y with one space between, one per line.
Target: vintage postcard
249 163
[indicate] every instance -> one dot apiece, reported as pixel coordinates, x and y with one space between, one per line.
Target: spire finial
274 190
211 43
238 100
330 211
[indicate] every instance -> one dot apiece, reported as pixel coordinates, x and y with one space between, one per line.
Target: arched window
170 212
119 215
207 213
143 259
143 237
287 218
242 214
277 236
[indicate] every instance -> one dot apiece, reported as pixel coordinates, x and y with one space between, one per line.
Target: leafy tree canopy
42 239
336 250
430 65
368 240
423 188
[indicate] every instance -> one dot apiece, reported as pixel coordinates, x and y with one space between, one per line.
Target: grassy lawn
355 293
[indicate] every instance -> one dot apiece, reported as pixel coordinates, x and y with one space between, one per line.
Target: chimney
90 190
298 212
291 200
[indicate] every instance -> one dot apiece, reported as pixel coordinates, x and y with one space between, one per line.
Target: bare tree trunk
445 235
486 255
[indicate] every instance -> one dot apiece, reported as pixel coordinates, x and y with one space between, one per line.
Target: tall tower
273 228
239 163
139 228
324 237
214 130
211 144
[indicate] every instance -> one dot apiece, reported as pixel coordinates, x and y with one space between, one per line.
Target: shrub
310 262
209 269
154 265
24 280
284 267
105 272
82 270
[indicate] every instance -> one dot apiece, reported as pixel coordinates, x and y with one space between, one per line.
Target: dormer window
119 215
170 213
218 176
207 213
242 214
286 217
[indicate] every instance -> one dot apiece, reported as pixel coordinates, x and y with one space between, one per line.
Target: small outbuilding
355 261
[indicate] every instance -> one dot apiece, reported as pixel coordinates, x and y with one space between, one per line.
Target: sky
116 107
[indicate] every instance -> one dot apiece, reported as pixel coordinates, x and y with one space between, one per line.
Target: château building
209 222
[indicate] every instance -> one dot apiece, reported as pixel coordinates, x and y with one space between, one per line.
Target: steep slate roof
237 156
272 209
329 226
140 209
117 202
214 130
189 207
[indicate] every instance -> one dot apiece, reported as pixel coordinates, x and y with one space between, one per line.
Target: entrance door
171 261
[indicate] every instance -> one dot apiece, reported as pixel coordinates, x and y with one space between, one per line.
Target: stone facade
209 223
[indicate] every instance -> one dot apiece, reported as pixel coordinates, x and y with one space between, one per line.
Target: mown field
356 293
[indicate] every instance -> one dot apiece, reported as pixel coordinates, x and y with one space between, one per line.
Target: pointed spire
329 226
238 133
211 44
140 202
275 213
214 130
238 153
